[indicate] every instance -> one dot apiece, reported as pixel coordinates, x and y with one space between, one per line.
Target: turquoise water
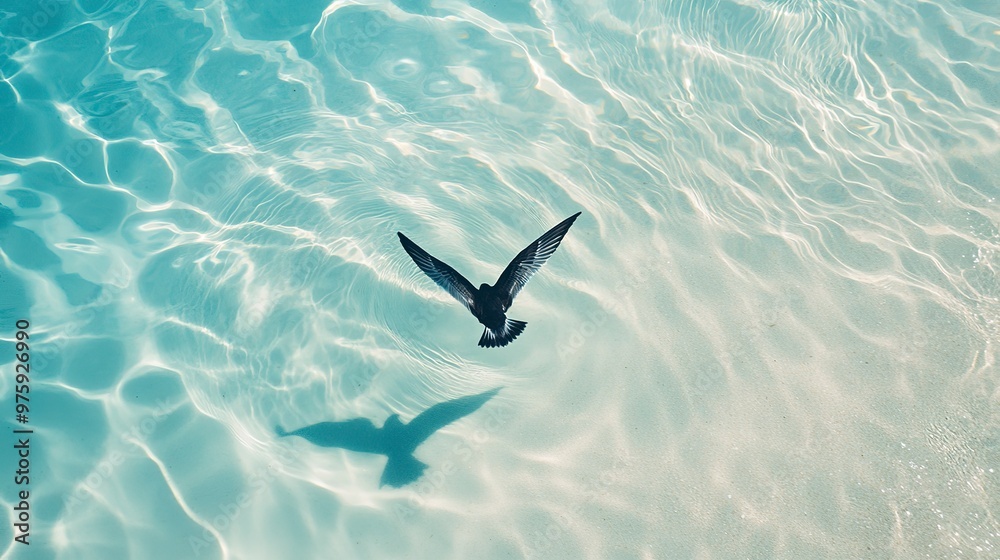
772 333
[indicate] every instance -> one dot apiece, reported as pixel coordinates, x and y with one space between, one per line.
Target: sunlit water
771 334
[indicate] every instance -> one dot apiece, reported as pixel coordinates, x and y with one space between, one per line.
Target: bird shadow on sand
394 439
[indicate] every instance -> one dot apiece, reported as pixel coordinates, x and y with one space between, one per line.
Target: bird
489 304
394 439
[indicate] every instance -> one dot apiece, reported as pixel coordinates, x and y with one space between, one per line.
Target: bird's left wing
442 274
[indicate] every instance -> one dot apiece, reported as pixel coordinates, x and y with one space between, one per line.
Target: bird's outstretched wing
528 261
442 414
442 274
358 434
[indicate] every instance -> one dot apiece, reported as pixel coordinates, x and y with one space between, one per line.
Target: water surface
771 334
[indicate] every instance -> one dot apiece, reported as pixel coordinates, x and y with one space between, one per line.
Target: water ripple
771 334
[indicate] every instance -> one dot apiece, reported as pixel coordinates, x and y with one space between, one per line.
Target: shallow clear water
771 334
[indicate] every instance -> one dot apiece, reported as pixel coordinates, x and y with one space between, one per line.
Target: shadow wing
442 414
358 434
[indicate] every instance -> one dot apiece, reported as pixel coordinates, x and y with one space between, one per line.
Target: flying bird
490 303
394 439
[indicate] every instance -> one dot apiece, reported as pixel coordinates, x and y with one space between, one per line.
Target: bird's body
489 304
489 307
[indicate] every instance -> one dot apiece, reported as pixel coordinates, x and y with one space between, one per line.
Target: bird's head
484 287
392 423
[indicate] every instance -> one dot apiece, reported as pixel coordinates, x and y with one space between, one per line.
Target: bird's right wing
530 259
442 274
442 414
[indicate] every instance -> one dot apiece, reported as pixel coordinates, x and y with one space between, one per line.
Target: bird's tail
502 337
280 431
401 469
